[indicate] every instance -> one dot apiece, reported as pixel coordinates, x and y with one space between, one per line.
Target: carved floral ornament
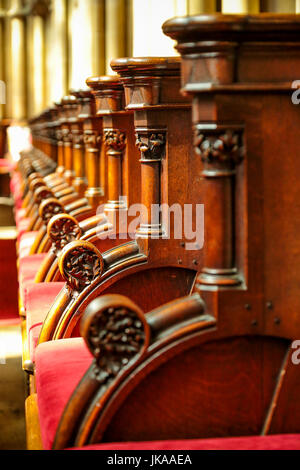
151 144
221 146
115 140
67 136
63 230
116 336
80 264
78 139
59 134
92 138
50 208
41 194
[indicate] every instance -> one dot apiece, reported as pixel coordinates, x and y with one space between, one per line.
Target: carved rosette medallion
63 230
41 194
49 208
151 144
116 336
81 264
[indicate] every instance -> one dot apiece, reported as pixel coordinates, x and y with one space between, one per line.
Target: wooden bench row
166 338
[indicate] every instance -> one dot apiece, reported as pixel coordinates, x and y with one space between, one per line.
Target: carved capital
67 136
115 140
78 139
116 333
63 229
219 147
151 144
49 208
80 264
59 135
92 139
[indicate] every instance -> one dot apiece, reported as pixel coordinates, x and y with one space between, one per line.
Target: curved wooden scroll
121 339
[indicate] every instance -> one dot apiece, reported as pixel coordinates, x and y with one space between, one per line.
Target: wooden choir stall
158 249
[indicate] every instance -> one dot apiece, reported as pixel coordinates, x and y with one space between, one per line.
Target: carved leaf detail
64 231
116 336
51 209
115 140
224 147
81 267
92 139
42 194
78 139
151 145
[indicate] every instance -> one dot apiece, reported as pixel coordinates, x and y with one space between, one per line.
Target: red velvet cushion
28 267
26 241
20 214
60 365
38 299
23 227
15 185
5 163
276 442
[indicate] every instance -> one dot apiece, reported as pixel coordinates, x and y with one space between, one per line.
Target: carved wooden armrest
63 229
83 268
80 263
122 339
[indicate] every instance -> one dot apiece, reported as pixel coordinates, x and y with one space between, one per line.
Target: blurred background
50 46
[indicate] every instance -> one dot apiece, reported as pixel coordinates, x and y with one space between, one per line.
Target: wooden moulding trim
249 87
145 66
263 26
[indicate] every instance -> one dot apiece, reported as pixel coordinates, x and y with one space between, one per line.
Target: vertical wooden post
69 106
80 181
220 148
152 144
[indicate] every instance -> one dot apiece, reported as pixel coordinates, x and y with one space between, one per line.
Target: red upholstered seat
25 243
20 215
60 365
276 442
16 189
38 299
22 226
28 267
